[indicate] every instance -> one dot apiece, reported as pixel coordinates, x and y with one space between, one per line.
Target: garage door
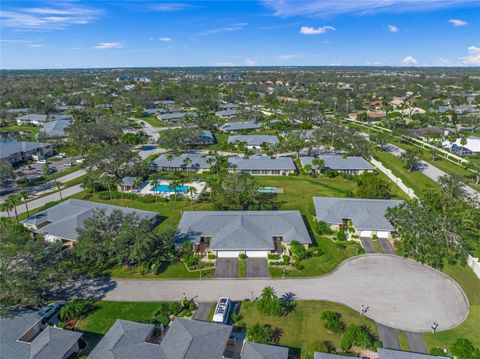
367 234
383 234
227 254
256 254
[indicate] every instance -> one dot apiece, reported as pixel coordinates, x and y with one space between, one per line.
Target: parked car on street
69 164
42 161
222 311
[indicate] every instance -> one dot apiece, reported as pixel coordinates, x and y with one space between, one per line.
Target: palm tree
106 181
25 195
211 162
155 183
6 206
268 303
186 162
13 200
173 186
170 158
192 191
320 164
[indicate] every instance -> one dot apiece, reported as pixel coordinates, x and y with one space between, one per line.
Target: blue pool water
163 188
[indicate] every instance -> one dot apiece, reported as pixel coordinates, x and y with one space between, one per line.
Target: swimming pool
164 188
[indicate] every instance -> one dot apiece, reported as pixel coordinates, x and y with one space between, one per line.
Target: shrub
273 256
463 348
76 309
242 256
285 259
191 306
341 245
333 322
260 333
359 336
192 262
299 251
300 266
211 256
236 317
437 351
323 228
341 236
316 251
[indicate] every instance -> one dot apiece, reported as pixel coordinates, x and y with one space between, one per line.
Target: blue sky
72 34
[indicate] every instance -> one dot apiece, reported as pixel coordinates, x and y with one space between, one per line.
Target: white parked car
42 162
68 164
79 160
222 311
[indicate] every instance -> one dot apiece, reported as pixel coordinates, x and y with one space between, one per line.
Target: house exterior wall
265 172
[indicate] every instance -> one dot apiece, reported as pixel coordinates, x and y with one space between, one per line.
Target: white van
222 311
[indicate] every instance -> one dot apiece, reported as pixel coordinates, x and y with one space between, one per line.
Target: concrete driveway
226 268
400 293
386 246
257 268
367 244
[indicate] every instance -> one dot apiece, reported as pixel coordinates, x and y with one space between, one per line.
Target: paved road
388 337
39 202
72 176
416 342
401 293
367 245
430 171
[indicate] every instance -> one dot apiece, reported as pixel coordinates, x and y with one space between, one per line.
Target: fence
393 178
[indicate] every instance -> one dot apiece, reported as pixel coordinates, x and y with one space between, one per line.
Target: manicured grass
470 328
154 121
304 327
242 268
414 179
175 270
403 341
16 128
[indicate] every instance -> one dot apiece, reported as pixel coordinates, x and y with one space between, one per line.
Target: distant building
262 165
55 128
350 165
17 152
471 147
196 162
239 126
25 336
31 119
254 141
227 113
61 222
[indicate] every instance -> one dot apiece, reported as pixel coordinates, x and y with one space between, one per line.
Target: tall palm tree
186 162
170 159
320 164
6 206
25 195
192 191
211 162
173 186
13 200
155 183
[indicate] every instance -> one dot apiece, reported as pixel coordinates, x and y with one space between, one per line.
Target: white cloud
49 18
288 56
287 8
308 30
250 62
458 22
473 58
165 7
109 45
409 60
166 39
393 28
233 27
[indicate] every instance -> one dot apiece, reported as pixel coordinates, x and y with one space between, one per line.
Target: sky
128 33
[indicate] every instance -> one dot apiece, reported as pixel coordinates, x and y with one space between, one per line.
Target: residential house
228 113
471 147
262 165
367 216
228 106
383 354
152 111
183 339
128 184
32 119
254 141
196 162
62 222
24 335
230 233
351 165
18 152
55 128
239 126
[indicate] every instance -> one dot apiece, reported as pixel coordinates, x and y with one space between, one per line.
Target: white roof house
470 148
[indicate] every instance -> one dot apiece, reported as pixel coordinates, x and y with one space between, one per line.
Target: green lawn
16 128
415 179
242 268
470 328
403 341
176 270
153 120
304 327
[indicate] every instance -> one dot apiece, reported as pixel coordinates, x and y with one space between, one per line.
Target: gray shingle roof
8 149
254 140
56 128
199 161
33 117
263 351
239 126
51 343
366 214
128 181
242 230
226 113
398 354
262 163
318 355
66 217
172 116
184 339
335 162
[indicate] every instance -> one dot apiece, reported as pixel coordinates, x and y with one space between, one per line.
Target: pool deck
147 190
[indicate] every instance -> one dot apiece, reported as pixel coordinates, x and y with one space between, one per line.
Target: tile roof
242 230
366 214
